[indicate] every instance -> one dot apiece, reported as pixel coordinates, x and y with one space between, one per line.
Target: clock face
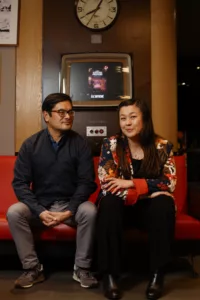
97 14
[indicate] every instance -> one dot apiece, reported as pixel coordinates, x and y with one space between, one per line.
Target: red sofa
188 204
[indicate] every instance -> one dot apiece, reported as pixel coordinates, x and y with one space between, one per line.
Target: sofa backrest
7 196
180 193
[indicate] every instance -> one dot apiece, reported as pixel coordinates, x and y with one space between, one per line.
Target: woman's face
130 120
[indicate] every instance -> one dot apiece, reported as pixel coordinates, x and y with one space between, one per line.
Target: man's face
55 121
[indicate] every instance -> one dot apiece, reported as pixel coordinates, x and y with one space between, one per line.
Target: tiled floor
59 285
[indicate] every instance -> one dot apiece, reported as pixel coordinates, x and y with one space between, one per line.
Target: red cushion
181 187
61 232
4 230
187 228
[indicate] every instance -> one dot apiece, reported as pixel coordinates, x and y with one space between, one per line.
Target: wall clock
97 14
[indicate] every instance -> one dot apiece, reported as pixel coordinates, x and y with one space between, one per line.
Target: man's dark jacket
43 175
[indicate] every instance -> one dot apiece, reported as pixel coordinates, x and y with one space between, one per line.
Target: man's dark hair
52 99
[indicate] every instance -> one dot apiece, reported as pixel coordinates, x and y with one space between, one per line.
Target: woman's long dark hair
150 166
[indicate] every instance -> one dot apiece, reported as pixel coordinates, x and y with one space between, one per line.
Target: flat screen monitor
96 79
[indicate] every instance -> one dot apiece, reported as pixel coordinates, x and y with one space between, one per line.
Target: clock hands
90 12
94 11
96 14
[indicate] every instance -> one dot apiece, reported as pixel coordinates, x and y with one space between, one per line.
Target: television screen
96 81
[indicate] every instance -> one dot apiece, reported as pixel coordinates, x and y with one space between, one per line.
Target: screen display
96 81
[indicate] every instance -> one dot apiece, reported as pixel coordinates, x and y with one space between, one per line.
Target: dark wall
62 33
188 53
188 29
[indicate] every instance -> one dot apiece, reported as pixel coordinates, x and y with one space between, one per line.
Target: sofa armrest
194 199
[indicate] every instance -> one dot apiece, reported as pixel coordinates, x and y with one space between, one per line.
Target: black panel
96 118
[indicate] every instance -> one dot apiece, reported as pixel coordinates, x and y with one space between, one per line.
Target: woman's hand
113 185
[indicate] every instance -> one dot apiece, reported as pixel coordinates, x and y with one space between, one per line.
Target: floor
60 285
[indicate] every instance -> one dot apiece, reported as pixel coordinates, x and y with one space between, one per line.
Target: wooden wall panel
0 77
29 70
131 33
62 33
163 69
7 101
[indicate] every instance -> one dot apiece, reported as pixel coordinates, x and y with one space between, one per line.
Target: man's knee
16 211
87 210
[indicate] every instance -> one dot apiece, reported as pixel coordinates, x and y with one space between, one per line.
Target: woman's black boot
155 286
111 289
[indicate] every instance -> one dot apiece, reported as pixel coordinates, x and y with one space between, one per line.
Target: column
29 71
164 68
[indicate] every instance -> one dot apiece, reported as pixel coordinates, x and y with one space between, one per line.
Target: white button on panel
96 130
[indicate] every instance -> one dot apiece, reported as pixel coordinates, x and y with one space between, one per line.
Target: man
57 163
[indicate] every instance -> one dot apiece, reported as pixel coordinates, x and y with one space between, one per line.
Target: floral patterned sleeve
167 181
108 166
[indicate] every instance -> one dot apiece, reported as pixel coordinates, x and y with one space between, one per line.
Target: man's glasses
63 112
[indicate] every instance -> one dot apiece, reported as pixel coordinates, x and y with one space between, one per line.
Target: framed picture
8 22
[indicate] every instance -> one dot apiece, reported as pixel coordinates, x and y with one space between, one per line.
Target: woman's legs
157 217
109 234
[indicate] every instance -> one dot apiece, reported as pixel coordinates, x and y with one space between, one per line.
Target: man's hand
60 217
47 219
113 185
50 218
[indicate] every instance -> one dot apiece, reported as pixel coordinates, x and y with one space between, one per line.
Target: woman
137 173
